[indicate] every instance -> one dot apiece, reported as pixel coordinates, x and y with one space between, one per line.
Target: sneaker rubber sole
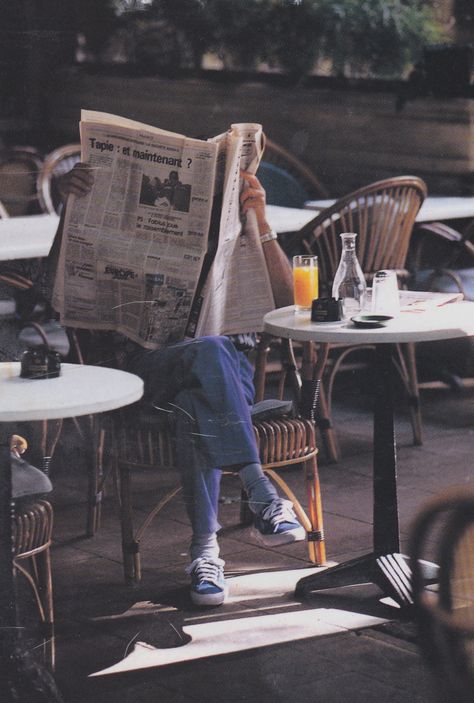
209 599
278 538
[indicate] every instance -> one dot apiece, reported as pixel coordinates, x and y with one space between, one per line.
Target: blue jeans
208 385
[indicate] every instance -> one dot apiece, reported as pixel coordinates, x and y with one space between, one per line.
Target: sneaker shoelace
208 570
277 512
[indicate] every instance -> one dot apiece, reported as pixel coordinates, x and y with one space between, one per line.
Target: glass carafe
349 282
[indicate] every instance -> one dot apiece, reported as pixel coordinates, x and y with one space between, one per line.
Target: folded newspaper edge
157 250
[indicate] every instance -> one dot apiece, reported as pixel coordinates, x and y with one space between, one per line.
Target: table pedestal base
385 566
354 572
391 573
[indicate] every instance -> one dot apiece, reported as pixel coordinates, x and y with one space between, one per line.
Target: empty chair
383 215
442 260
32 533
10 279
445 615
32 527
286 179
56 164
19 169
141 438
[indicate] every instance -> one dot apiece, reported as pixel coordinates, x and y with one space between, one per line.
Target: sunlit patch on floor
223 635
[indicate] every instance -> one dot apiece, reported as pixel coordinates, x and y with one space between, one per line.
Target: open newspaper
157 250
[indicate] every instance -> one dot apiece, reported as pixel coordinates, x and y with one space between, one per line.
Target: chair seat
268 409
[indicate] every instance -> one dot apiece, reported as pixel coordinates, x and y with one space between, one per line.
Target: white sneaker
208 585
277 524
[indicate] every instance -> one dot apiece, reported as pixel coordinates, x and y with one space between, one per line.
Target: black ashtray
40 362
371 321
326 310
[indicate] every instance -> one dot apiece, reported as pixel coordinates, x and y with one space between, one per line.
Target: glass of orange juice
305 281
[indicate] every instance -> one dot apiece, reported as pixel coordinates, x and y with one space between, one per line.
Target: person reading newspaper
207 382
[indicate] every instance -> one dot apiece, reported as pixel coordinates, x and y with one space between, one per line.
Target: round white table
27 237
446 322
79 390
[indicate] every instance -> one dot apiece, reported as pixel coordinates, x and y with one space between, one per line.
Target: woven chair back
19 169
56 164
446 615
382 214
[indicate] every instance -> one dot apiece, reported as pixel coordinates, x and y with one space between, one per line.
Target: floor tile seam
98 550
343 556
356 474
392 640
272 550
92 553
346 517
56 546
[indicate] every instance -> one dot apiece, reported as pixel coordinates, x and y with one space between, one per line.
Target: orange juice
305 282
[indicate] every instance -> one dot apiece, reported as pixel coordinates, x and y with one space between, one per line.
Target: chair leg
313 401
316 543
130 546
45 584
246 515
94 448
313 524
325 426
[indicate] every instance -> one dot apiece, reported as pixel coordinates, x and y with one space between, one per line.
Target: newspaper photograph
139 255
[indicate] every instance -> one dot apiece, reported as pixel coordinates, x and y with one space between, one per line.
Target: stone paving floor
97 623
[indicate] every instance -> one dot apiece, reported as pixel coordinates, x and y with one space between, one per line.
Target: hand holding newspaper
157 250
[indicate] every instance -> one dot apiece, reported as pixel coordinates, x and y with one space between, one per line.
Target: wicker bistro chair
32 528
445 616
140 438
32 536
383 214
19 168
282 443
442 260
55 164
286 179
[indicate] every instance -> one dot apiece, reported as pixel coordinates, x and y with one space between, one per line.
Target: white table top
80 390
27 237
434 208
446 322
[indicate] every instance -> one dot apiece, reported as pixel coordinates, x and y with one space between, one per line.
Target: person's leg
201 494
275 520
206 385
213 422
227 375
